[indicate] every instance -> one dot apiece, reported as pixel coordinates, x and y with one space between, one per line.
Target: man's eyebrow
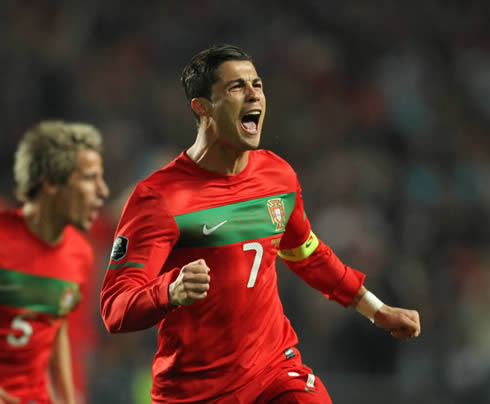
241 81
237 81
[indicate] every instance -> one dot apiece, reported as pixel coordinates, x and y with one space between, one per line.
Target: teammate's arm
60 368
6 398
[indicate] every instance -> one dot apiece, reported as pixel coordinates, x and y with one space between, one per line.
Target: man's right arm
134 294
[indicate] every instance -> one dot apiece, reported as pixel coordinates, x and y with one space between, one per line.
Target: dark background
383 109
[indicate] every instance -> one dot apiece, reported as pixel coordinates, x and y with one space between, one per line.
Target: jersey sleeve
134 293
314 261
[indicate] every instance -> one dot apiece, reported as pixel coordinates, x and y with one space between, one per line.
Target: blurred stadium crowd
383 109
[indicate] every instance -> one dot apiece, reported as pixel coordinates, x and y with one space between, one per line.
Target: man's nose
254 93
102 189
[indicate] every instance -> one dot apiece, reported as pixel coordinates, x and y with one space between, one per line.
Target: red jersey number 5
19 324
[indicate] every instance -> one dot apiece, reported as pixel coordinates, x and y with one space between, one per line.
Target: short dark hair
199 74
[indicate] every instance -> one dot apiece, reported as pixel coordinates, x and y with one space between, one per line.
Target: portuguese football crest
276 211
68 300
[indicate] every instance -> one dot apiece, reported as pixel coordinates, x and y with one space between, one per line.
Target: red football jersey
238 224
39 285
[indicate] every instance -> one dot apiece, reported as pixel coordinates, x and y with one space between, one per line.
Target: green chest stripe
241 221
37 293
126 264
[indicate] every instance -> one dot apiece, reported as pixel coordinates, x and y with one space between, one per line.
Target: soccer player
44 259
195 252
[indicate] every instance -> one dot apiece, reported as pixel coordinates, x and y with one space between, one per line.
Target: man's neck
217 158
43 222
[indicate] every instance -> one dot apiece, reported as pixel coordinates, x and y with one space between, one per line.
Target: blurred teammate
195 253
44 259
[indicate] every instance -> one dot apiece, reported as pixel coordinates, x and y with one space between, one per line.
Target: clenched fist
401 323
191 285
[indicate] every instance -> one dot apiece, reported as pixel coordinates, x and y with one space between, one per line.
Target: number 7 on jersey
259 252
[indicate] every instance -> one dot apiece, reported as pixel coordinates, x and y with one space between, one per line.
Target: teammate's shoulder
10 217
76 236
78 241
79 249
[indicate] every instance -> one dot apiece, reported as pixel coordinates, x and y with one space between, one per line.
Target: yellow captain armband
301 252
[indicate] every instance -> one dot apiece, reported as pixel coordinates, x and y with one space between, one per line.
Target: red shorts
285 382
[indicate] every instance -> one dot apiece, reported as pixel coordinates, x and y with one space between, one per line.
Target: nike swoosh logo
308 242
207 231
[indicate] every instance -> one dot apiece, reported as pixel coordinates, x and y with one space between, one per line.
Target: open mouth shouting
250 122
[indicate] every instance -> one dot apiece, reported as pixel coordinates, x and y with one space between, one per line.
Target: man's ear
48 187
201 106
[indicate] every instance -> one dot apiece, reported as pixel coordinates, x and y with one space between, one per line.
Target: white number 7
257 260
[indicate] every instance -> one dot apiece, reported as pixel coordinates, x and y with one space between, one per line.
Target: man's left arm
317 265
315 262
60 368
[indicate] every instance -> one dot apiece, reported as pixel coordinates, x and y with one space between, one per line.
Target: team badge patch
119 248
67 301
276 210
